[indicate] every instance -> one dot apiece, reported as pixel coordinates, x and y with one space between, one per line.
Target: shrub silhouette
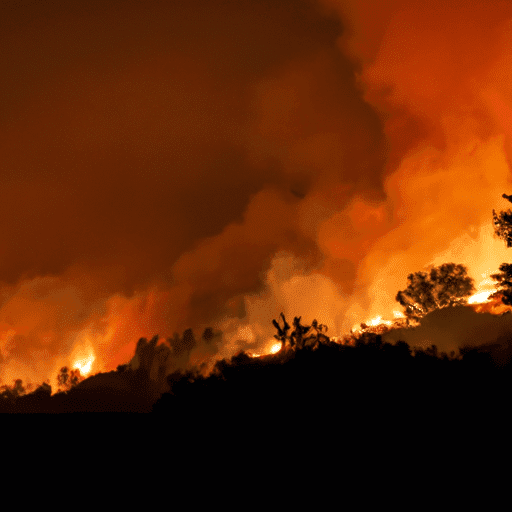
301 334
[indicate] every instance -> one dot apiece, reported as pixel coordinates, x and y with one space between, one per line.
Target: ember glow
176 165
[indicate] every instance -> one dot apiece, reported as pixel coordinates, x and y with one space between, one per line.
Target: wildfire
480 301
480 297
484 289
483 303
274 349
84 366
378 321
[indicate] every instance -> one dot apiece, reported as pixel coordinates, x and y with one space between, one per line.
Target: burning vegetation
374 359
157 377
293 195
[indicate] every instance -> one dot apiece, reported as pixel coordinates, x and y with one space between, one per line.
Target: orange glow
480 297
275 348
493 306
373 322
480 302
84 365
83 356
484 288
378 321
166 190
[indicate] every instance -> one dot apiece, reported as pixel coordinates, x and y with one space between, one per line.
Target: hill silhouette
365 382
368 377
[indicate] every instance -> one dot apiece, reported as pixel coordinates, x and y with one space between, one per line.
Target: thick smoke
181 165
437 74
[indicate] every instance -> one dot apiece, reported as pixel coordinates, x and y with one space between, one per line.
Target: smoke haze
180 165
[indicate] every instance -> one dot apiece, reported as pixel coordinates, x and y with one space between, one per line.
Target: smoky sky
127 128
131 132
172 165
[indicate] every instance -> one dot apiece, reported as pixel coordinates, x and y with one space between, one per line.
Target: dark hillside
363 379
370 381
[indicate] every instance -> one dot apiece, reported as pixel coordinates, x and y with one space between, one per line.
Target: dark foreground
372 381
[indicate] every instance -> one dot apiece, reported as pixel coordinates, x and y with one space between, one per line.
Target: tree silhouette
503 223
185 343
68 379
443 286
504 284
301 334
282 332
12 392
503 229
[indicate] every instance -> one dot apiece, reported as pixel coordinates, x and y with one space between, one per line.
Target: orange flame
84 365
275 348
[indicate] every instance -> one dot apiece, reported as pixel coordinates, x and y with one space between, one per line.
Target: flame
83 358
485 288
84 365
378 321
480 301
275 348
447 136
493 305
480 297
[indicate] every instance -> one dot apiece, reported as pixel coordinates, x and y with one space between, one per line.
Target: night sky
184 164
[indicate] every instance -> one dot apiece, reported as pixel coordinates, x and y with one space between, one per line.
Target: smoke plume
179 165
